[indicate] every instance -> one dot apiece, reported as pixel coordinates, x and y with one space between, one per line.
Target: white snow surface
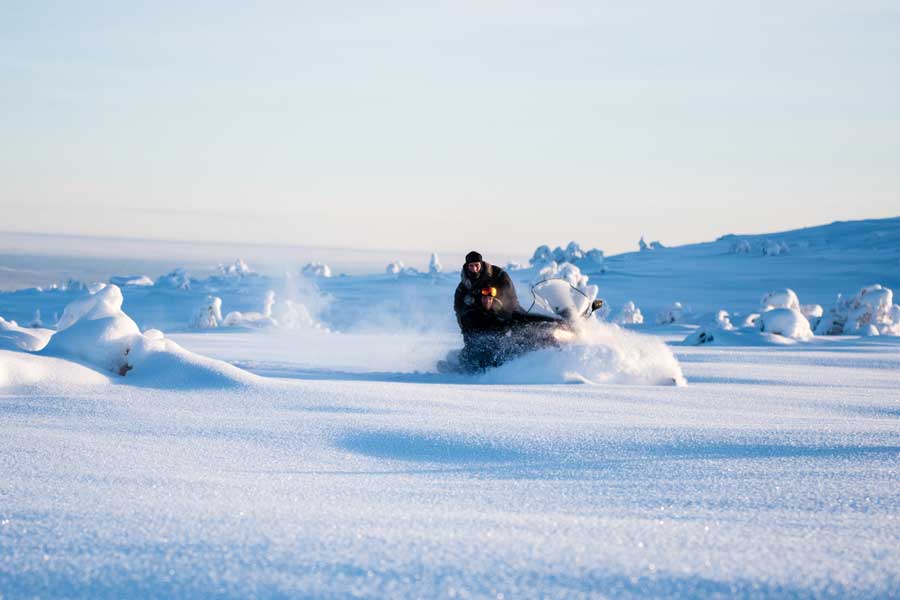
329 459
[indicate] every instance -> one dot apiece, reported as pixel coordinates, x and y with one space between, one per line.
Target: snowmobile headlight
489 291
561 335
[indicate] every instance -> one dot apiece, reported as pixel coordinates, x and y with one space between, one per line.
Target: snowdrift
602 353
94 330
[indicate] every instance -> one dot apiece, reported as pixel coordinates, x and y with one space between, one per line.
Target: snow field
763 477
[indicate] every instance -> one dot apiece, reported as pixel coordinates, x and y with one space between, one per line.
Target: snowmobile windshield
558 298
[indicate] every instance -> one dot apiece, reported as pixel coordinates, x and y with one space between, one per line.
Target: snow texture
333 461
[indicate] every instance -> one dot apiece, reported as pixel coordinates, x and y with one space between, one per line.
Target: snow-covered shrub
178 279
395 267
740 247
785 298
236 270
751 320
316 269
515 266
654 245
434 264
774 248
253 319
629 315
871 312
711 330
208 315
573 253
671 314
787 322
36 321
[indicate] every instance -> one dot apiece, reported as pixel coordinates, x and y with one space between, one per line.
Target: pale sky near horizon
418 125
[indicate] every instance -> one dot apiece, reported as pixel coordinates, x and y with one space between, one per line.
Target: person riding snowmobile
494 326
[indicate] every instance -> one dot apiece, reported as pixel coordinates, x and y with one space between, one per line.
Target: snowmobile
553 318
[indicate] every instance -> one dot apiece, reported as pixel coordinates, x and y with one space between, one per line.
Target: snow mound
131 280
23 369
775 327
871 312
96 331
603 353
785 298
786 322
15 337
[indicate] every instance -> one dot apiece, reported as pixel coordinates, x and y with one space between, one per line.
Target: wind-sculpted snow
94 330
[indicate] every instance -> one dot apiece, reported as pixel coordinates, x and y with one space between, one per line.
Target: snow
629 314
323 456
786 322
316 269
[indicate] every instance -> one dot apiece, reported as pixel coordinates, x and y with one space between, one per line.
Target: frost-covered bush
871 312
316 269
785 298
208 315
36 320
654 245
573 253
178 279
711 330
236 270
434 264
671 314
629 315
774 248
787 322
740 247
395 267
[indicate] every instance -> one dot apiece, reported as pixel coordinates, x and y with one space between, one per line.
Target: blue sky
410 125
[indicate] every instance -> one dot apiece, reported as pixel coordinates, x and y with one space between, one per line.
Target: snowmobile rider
485 299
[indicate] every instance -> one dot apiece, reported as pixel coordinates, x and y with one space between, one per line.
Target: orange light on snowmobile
489 291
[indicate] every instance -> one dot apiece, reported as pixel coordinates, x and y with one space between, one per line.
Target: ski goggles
489 291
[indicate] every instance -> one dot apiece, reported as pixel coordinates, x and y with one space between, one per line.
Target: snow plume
572 254
871 312
602 353
316 269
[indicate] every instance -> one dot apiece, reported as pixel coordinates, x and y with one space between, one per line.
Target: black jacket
470 314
